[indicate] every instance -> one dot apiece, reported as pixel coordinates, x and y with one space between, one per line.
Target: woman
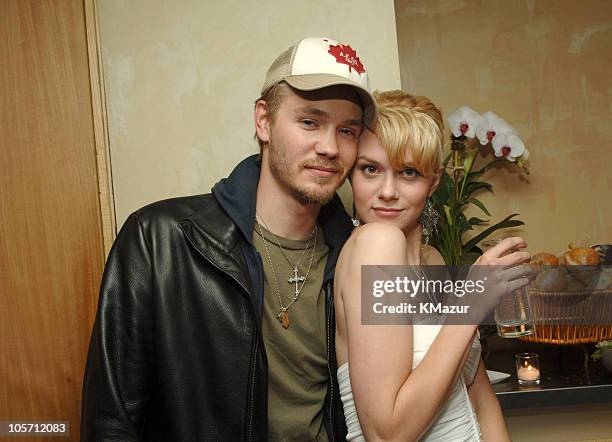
421 382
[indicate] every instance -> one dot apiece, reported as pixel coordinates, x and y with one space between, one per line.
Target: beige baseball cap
316 63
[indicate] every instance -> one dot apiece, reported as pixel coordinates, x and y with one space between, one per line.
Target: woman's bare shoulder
374 243
431 256
379 232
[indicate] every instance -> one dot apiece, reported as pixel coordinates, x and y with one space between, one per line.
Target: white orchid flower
509 145
490 126
463 121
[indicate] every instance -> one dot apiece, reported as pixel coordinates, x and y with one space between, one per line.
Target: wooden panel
105 181
51 253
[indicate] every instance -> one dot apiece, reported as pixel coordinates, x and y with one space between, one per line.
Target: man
216 318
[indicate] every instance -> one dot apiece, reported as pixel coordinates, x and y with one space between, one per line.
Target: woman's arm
393 401
486 405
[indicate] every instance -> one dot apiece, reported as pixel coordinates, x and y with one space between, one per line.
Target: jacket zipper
252 390
254 354
331 379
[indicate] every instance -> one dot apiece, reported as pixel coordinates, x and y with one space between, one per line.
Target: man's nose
327 145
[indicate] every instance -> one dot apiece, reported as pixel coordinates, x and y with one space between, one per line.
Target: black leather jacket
176 352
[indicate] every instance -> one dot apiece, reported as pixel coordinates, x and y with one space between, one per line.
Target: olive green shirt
297 356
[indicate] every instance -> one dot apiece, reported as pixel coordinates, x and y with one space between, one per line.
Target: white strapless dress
455 422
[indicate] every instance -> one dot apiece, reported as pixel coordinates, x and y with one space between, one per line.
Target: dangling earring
356 222
429 220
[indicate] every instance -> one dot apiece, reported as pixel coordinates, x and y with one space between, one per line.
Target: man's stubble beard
279 167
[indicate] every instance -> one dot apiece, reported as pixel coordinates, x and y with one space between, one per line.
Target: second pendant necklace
296 280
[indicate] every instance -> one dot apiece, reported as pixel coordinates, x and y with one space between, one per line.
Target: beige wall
181 78
544 66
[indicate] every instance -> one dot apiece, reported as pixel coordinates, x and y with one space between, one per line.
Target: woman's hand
505 253
501 270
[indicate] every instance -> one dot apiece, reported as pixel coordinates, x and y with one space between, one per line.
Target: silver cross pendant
295 279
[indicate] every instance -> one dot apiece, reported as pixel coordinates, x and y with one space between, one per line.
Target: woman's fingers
516 284
506 253
498 281
509 245
513 259
502 269
506 246
517 272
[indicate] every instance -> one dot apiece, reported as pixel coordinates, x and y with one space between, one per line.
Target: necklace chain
282 315
278 241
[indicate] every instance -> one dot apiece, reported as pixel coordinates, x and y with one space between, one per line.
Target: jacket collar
216 238
237 195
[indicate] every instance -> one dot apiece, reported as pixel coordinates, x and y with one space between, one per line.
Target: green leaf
476 173
469 161
477 185
503 224
489 165
473 175
449 218
477 221
467 167
477 250
444 190
463 224
478 203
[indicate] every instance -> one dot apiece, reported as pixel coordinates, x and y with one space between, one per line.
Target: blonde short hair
410 122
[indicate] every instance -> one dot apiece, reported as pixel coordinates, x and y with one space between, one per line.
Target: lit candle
528 368
528 373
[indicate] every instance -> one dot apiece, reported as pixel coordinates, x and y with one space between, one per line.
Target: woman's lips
387 212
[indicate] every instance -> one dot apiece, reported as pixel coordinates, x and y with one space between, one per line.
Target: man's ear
262 121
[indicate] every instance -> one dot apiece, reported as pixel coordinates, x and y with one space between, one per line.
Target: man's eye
307 122
348 131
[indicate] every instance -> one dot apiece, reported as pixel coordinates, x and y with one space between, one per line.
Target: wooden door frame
100 123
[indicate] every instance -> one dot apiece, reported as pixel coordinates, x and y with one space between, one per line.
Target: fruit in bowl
580 256
575 281
552 279
576 270
542 259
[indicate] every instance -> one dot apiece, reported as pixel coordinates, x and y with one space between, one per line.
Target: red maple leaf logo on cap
346 55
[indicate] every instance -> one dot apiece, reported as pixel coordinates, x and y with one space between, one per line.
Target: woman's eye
309 123
410 172
368 169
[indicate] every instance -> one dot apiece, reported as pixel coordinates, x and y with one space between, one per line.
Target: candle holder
527 368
